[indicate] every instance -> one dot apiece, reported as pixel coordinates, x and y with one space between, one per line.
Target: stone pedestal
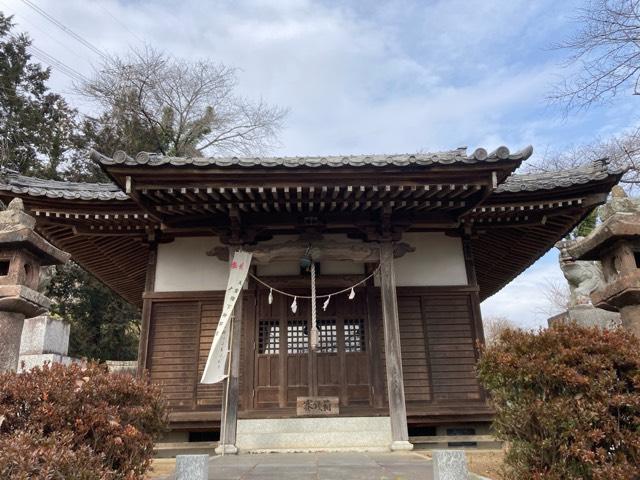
587 316
44 339
11 331
630 316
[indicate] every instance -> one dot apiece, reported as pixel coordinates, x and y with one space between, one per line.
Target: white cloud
524 300
362 77
405 77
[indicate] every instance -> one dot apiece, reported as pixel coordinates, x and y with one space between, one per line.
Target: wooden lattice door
285 366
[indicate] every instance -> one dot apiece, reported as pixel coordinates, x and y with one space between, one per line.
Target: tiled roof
442 158
20 184
529 182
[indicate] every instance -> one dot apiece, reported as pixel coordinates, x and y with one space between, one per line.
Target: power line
121 23
55 63
65 29
44 31
50 60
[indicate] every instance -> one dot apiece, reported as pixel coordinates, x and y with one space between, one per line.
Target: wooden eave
513 230
188 197
108 238
510 228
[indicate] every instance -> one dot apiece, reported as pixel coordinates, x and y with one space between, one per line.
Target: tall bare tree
187 107
603 62
604 54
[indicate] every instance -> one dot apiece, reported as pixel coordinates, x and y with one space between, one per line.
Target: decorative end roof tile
458 155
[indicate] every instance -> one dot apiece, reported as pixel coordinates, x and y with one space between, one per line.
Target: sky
364 76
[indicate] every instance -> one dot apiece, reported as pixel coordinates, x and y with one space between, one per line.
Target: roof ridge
458 155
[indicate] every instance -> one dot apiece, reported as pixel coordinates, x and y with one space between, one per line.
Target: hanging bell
352 294
294 305
326 304
270 296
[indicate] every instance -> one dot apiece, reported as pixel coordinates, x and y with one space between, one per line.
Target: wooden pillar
393 356
475 295
231 388
145 324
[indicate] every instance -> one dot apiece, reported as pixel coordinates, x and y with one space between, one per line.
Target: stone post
449 465
22 254
192 467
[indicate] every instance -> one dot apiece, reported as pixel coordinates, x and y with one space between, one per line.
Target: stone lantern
23 253
616 244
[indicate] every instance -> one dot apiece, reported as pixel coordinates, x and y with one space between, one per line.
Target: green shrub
77 422
567 401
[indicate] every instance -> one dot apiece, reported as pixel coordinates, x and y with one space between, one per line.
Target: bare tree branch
622 151
604 54
190 107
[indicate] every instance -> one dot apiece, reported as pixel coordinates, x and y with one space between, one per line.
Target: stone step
314 434
171 449
445 441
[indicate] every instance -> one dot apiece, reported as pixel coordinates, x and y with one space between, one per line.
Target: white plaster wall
438 260
183 266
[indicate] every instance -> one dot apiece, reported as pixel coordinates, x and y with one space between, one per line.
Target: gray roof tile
20 184
424 159
529 182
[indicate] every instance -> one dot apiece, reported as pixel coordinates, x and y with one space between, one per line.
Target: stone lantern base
44 339
586 316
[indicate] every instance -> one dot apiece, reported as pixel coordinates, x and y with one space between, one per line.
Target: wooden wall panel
415 357
181 332
437 330
451 339
173 351
210 311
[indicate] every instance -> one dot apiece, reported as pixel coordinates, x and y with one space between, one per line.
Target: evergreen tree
35 124
40 135
103 325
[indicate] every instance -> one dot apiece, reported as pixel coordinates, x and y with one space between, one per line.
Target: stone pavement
320 466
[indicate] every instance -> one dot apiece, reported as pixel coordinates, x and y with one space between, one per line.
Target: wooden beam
393 354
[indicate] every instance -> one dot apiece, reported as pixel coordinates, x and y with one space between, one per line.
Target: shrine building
433 234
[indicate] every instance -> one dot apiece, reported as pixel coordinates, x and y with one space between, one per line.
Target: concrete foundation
10 333
314 434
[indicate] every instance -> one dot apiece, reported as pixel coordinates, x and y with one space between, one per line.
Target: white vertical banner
214 370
